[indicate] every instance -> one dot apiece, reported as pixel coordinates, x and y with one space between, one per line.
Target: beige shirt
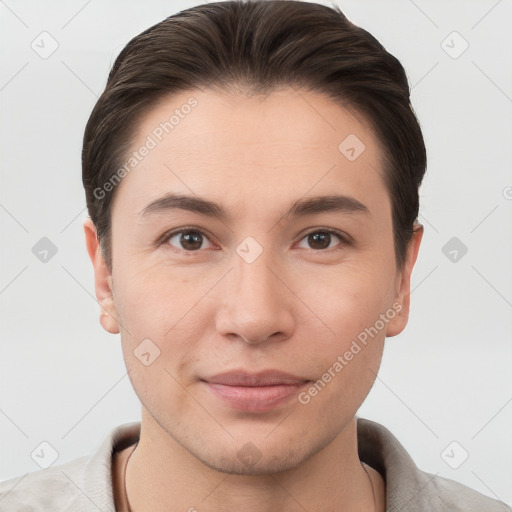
94 482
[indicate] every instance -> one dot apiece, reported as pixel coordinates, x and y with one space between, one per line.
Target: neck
161 472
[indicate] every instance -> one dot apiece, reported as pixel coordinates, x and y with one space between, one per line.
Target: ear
102 279
397 324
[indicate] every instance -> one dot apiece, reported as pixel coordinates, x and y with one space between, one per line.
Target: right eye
189 240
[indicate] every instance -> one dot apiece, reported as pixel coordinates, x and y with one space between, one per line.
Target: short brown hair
258 46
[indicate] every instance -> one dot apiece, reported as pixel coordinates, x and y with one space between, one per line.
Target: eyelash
343 238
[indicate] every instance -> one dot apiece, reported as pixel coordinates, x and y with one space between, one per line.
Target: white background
446 378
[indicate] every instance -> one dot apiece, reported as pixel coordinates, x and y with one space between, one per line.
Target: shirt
85 484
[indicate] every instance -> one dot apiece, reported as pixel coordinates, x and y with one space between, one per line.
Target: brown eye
187 240
321 239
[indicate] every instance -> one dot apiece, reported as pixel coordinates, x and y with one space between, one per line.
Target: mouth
254 392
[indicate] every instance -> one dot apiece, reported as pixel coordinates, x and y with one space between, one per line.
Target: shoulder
446 494
83 484
55 488
409 488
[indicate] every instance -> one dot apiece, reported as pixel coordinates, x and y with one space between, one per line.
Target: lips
254 392
264 378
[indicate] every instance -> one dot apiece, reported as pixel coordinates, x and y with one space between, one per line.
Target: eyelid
321 229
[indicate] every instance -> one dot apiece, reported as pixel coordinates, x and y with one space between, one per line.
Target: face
253 273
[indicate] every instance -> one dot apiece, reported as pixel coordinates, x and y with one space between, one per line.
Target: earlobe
108 322
102 279
402 298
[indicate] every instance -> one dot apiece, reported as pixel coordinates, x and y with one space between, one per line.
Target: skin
292 309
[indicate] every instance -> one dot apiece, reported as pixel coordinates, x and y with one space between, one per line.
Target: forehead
251 151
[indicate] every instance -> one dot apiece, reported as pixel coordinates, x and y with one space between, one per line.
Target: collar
407 488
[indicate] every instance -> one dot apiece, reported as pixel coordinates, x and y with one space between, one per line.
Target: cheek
157 335
157 302
345 361
350 301
153 303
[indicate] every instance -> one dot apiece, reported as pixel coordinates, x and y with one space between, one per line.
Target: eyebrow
299 208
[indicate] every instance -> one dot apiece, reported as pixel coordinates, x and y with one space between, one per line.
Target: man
251 174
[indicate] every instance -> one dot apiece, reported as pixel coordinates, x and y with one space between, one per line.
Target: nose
256 305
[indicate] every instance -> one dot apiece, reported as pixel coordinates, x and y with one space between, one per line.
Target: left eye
190 240
321 239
